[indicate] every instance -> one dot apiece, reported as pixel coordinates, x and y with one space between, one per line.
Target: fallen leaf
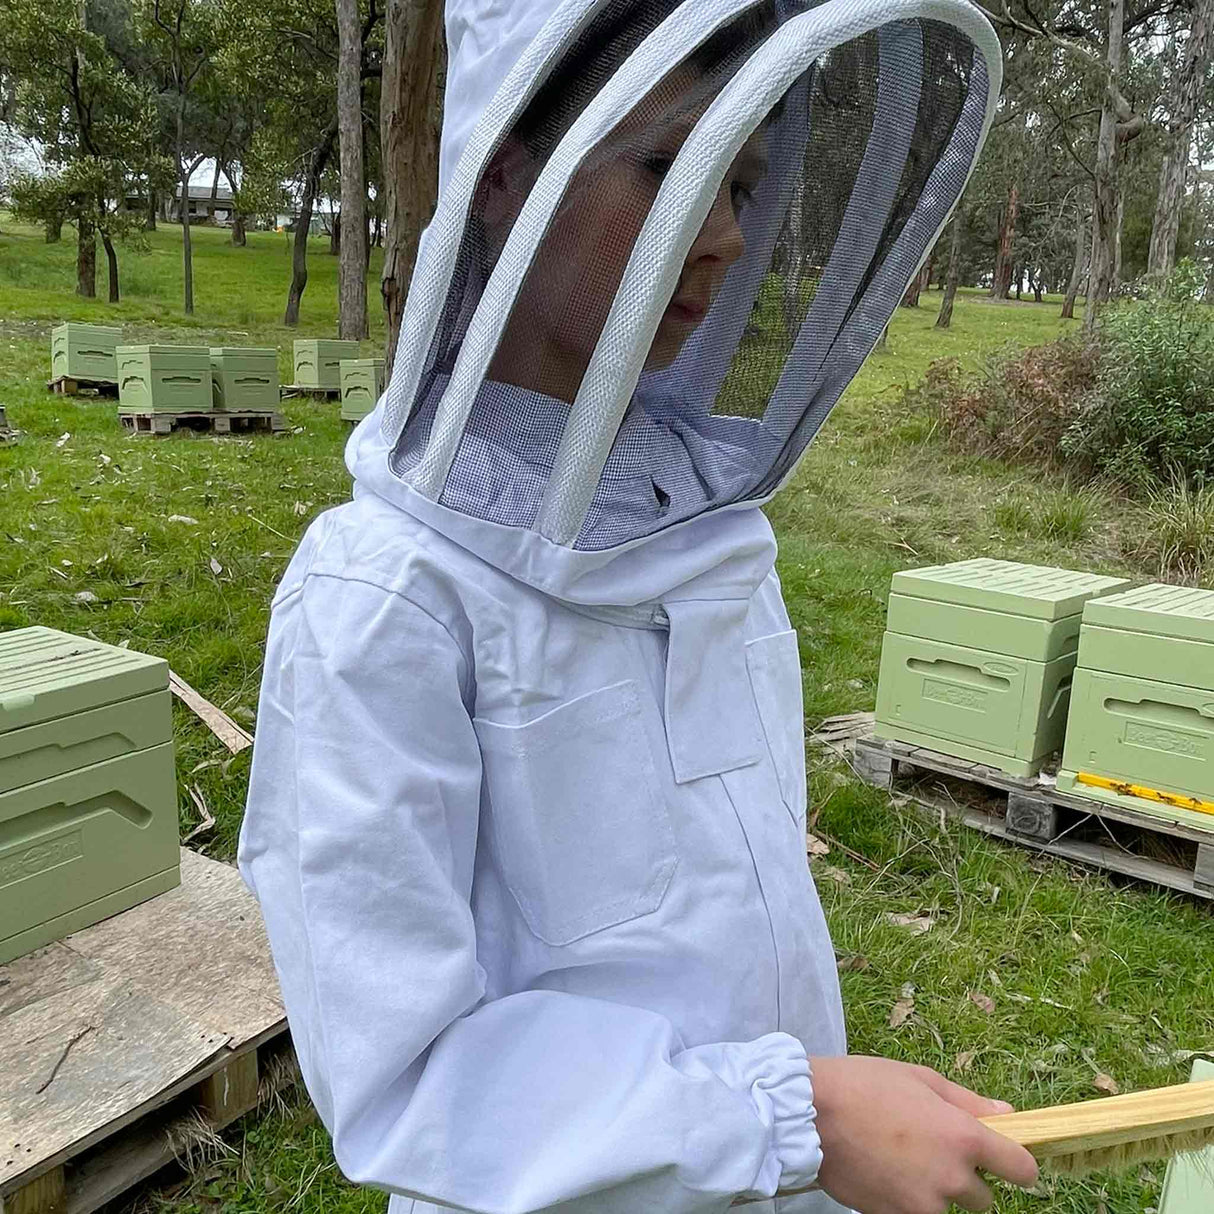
216 567
901 1013
66 563
916 923
837 875
983 1002
183 518
1020 998
105 459
58 572
994 977
1106 1083
853 962
964 1061
63 438
35 479
816 847
908 990
84 596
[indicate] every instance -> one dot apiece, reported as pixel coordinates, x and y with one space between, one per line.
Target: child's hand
901 1139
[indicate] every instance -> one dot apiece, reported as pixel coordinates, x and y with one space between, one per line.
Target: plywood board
106 1024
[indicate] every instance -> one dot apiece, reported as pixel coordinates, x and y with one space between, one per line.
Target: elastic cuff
784 1098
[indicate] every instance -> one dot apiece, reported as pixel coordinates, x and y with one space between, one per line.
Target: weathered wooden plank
119 1018
202 948
75 1062
1203 871
231 1092
43 1195
1032 816
216 720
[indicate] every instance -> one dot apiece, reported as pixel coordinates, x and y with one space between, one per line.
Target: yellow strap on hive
1175 800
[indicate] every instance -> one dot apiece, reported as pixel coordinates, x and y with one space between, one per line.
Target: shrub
1019 406
1177 536
1150 416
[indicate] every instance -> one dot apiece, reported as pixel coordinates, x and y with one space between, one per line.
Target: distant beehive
164 379
1142 711
84 352
244 379
362 384
318 362
88 795
978 657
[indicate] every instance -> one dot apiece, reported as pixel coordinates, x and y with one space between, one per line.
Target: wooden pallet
289 391
65 385
1034 813
128 1043
230 422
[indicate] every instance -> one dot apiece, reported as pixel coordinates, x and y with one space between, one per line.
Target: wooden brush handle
1093 1125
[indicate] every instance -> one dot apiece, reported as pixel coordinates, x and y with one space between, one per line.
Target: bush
1019 406
1150 416
1177 536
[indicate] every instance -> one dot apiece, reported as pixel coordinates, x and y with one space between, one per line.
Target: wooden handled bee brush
1114 1132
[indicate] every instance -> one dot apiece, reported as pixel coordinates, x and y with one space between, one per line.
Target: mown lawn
1085 975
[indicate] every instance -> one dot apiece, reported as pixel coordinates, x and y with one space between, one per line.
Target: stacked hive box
362 383
318 363
164 379
1142 712
978 657
84 352
244 379
88 798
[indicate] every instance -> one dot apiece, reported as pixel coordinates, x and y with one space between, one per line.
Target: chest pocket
584 838
774 665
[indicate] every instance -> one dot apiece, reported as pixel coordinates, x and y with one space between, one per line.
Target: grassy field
1085 976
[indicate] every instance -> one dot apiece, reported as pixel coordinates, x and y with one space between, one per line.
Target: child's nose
720 238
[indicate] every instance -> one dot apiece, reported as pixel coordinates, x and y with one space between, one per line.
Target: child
527 812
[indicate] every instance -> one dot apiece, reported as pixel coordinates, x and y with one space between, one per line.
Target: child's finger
975 1196
964 1099
1006 1159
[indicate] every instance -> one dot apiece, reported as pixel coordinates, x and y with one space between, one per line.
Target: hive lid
232 351
80 326
362 362
46 674
1038 591
1173 611
193 351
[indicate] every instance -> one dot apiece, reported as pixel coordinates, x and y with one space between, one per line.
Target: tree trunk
1035 281
86 258
54 229
911 297
149 220
954 274
1106 193
1072 289
111 260
410 116
238 217
352 273
1185 91
299 252
1001 282
183 210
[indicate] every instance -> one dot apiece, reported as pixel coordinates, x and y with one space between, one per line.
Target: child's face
572 283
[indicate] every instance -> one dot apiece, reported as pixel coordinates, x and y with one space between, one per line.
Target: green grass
1087 974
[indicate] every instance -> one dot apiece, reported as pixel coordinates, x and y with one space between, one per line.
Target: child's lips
689 310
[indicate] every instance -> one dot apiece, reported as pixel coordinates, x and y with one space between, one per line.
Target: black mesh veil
669 246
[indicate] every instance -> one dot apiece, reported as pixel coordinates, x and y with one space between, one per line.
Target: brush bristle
1126 1154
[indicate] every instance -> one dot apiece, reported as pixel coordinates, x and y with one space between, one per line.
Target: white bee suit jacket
527 810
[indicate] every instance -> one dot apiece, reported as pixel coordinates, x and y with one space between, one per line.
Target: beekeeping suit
527 811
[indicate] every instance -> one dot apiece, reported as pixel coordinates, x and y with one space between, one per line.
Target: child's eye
741 195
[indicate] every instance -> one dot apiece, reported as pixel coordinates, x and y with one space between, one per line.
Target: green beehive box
318 363
978 657
1143 709
1188 1185
164 379
84 352
362 384
88 798
244 379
